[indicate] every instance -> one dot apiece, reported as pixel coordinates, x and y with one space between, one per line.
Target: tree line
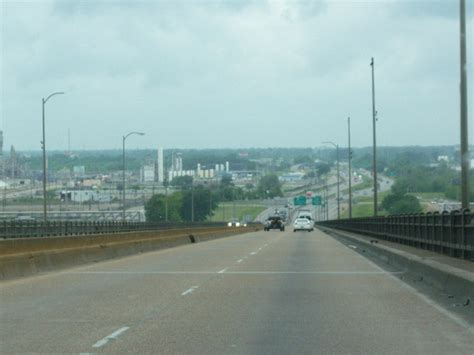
204 198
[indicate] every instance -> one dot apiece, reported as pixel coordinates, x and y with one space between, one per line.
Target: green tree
183 182
303 160
226 181
322 169
155 208
269 186
401 203
204 204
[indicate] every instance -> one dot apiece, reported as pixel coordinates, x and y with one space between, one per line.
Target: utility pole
192 202
166 202
327 197
464 128
338 179
374 120
45 172
350 164
124 138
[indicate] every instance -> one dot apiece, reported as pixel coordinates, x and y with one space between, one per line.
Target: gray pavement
274 292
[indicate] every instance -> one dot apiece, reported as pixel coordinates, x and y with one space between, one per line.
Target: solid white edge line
114 335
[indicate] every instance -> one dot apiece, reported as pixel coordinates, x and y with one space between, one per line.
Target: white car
303 224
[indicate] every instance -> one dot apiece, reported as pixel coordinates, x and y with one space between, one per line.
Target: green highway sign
299 201
316 201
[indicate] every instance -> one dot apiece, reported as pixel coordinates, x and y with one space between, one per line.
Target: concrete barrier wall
30 256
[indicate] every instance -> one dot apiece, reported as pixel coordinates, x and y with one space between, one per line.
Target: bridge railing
449 233
26 229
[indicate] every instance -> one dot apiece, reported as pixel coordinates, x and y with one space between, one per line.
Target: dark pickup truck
274 222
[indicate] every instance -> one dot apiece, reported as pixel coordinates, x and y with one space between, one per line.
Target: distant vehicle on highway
305 214
274 222
303 224
236 223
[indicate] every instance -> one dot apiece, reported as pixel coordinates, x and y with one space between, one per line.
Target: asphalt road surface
258 293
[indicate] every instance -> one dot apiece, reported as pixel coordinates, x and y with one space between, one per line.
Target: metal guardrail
449 233
27 229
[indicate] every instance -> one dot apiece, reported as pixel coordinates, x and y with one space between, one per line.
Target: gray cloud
215 73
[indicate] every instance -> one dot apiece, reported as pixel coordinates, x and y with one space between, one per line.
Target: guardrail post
452 224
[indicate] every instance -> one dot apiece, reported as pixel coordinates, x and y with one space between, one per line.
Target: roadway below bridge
274 292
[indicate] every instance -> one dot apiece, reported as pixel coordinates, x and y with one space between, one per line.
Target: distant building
84 196
177 162
172 174
443 158
147 173
91 182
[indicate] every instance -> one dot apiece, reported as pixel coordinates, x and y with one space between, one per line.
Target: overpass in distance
252 293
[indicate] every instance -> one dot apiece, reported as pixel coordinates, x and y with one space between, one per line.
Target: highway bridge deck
274 292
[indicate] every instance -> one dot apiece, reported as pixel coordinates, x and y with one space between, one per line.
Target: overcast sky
212 74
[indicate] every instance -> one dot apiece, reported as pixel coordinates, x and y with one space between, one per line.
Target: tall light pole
124 138
327 196
463 91
43 143
192 200
166 203
350 164
338 187
374 120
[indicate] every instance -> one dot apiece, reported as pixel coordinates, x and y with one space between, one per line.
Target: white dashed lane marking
114 335
189 290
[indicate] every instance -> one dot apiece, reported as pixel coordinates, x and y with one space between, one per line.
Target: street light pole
464 128
124 138
166 203
327 196
374 119
350 164
338 179
43 143
192 201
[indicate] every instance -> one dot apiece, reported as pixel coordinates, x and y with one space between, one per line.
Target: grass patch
225 211
429 195
370 198
365 184
361 210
